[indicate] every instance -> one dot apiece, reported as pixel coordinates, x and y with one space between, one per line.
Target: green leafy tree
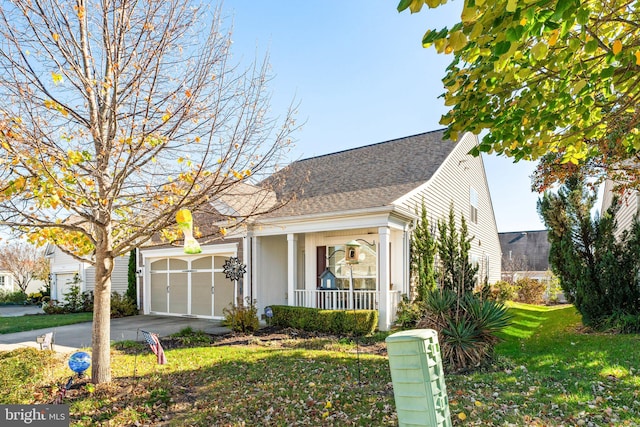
559 78
423 251
597 272
116 115
455 271
132 278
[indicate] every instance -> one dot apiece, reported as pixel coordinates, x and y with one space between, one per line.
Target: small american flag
154 343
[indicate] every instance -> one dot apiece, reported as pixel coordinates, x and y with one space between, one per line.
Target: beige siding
451 184
119 279
63 263
628 207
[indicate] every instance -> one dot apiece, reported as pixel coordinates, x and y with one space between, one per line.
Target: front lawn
548 373
31 322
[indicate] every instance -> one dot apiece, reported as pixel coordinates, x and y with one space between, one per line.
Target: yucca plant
462 345
467 327
489 317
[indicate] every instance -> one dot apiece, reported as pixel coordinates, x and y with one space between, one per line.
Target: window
473 202
1 281
364 272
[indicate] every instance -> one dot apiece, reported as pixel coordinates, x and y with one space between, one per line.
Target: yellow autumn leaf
180 159
55 37
638 57
617 47
553 39
75 157
188 93
416 5
57 78
223 231
166 117
49 103
462 416
457 40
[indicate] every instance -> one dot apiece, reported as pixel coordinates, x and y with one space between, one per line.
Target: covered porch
312 268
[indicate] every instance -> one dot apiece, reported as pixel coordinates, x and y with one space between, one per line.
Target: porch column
254 266
406 263
292 266
384 269
246 260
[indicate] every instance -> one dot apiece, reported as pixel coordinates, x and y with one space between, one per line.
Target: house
8 284
364 198
65 269
629 206
525 254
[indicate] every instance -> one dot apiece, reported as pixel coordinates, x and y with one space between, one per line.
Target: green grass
9 325
547 373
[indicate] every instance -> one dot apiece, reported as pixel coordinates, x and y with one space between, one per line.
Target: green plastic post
418 378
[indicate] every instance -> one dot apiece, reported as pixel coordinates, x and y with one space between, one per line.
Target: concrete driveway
72 337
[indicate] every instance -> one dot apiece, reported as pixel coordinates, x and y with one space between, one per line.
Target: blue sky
361 76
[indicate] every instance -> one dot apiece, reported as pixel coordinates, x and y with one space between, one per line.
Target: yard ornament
79 362
185 224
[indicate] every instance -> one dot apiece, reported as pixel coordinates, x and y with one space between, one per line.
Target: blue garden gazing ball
79 362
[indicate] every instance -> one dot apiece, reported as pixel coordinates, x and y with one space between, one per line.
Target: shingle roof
359 178
532 247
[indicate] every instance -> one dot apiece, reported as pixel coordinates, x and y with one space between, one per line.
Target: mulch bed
278 337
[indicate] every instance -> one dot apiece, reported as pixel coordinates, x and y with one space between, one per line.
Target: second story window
473 202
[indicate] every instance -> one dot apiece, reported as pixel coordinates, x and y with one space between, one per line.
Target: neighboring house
368 195
64 269
8 284
629 206
525 254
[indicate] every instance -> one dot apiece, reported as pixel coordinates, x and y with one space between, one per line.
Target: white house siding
271 263
452 183
119 276
628 207
63 265
63 269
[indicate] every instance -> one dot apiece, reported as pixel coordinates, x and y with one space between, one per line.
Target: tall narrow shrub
455 269
131 293
423 251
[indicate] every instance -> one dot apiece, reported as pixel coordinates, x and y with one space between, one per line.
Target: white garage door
190 286
63 284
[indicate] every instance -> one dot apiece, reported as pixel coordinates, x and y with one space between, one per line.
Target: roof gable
365 177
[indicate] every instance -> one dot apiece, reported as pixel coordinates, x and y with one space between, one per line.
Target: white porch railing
337 300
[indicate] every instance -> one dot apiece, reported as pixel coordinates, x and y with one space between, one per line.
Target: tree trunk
101 338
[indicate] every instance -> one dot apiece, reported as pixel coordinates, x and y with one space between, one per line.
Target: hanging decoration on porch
185 224
234 269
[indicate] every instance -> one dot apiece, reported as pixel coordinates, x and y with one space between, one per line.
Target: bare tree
24 262
116 114
513 264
